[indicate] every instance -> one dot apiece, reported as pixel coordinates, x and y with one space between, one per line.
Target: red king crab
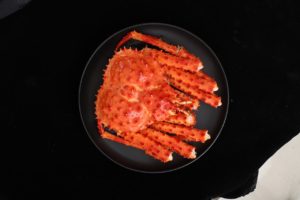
138 99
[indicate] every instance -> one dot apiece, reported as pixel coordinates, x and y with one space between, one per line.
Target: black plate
207 117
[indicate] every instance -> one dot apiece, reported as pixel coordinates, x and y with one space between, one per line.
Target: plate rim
127 29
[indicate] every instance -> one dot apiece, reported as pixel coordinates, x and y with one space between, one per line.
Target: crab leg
118 139
175 50
184 118
186 101
172 60
187 133
182 99
175 144
210 99
202 75
151 147
206 84
151 151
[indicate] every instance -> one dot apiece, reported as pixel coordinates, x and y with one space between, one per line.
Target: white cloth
279 177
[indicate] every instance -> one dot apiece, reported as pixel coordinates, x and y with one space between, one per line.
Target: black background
45 46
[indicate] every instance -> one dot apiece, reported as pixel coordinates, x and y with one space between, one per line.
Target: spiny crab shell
137 101
135 92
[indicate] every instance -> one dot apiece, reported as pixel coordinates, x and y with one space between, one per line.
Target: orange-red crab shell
137 94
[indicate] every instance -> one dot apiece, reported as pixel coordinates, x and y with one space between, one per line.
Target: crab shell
134 94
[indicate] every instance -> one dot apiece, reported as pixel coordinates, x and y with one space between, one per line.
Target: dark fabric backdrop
45 46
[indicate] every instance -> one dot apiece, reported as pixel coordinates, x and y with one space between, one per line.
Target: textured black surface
208 117
44 48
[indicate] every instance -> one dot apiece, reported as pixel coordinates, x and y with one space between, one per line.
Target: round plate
207 117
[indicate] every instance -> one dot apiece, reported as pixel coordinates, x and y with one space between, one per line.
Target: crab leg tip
200 66
193 154
170 158
207 136
216 88
190 119
220 103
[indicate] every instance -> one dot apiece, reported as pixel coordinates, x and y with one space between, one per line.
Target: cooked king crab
138 100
